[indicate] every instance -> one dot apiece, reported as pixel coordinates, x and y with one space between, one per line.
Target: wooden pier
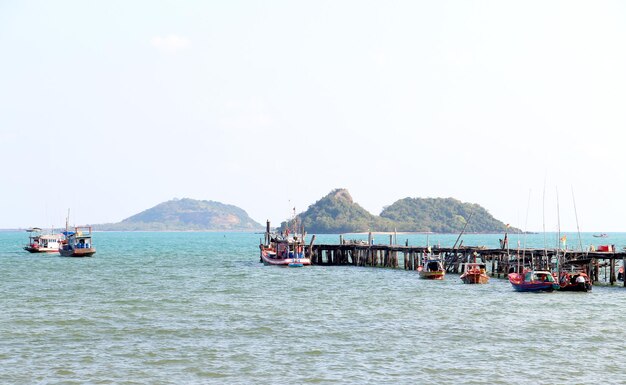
499 262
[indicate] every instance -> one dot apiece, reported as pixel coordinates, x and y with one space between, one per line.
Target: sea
199 308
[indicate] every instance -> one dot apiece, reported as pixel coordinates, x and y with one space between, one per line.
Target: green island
338 213
335 213
186 215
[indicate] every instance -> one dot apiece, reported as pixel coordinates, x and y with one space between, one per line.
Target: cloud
170 44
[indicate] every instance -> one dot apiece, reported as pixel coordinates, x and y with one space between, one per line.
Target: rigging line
558 224
580 242
543 213
525 233
462 231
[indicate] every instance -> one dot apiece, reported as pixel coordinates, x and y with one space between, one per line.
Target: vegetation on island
338 213
187 215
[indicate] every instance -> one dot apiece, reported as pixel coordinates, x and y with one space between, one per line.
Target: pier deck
499 261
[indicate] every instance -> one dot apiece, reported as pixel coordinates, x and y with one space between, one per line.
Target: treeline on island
333 214
186 215
338 213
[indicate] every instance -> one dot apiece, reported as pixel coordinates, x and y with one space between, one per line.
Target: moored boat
432 269
286 250
574 281
533 280
474 273
42 243
78 243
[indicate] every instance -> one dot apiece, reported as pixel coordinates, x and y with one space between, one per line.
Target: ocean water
199 308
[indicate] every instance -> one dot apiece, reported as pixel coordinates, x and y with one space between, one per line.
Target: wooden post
612 275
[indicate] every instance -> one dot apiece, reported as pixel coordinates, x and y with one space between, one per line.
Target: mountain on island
187 215
338 213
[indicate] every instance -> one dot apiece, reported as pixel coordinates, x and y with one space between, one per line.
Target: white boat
43 243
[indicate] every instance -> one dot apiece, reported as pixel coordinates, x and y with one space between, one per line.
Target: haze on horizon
109 108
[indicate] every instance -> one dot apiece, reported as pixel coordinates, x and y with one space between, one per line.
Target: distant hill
441 215
187 215
338 213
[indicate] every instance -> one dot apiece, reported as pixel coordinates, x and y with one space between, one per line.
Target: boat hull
270 259
86 252
581 287
434 275
518 283
567 282
31 249
475 278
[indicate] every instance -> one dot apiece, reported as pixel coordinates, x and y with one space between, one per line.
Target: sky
108 108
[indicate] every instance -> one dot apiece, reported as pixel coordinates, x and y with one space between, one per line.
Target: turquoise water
198 308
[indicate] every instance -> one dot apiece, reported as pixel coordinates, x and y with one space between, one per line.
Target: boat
474 272
285 249
432 269
78 243
533 280
42 243
603 235
574 281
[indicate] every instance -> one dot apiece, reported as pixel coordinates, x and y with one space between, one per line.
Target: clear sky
111 107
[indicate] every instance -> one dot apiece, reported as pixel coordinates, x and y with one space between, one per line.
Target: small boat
474 273
533 280
432 269
78 243
574 281
42 243
284 250
603 235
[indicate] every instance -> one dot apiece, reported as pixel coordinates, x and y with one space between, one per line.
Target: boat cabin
433 265
78 239
474 266
541 276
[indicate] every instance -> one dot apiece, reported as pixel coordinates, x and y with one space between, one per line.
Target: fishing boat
285 249
43 243
78 243
574 281
533 280
474 272
432 269
603 235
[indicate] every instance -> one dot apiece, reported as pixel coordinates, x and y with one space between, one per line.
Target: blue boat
533 280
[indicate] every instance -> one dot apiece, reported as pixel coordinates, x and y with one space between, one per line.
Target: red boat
574 281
